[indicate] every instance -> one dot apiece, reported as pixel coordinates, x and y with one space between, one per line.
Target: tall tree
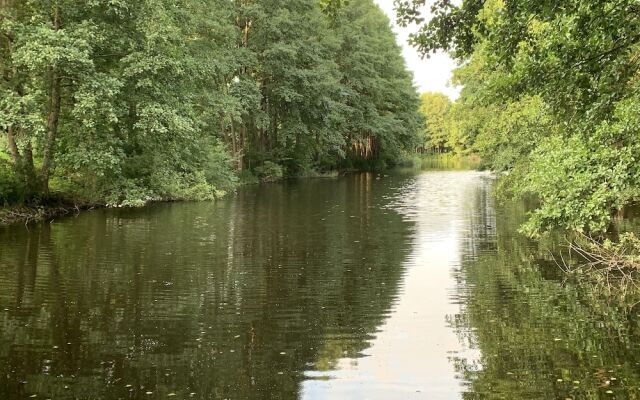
382 119
435 107
552 88
126 102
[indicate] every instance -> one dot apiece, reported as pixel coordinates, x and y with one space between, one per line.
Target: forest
121 103
550 100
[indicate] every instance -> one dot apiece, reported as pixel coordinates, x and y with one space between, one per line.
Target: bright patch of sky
430 74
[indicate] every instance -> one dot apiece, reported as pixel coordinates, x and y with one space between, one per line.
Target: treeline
436 137
551 96
125 102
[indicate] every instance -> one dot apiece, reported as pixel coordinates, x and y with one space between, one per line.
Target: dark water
408 286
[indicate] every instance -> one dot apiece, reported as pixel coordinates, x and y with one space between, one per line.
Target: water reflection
537 334
367 287
410 355
229 300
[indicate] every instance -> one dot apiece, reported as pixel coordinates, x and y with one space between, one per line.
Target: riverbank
442 161
30 214
27 214
412 255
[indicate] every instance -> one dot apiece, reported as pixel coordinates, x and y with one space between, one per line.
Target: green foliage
333 7
129 102
435 108
269 171
9 185
451 27
583 179
508 133
381 116
550 97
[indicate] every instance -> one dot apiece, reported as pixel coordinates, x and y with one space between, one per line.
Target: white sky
430 75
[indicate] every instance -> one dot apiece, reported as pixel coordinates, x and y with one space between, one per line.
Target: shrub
269 171
11 190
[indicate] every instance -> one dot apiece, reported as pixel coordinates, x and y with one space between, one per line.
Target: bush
584 179
269 172
219 171
11 190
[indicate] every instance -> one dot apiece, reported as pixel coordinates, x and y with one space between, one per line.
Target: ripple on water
405 286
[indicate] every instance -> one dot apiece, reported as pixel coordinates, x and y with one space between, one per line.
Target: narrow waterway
399 286
409 357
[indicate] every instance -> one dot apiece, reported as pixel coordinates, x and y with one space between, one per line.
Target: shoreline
26 215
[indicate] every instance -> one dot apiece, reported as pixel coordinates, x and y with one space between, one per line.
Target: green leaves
435 108
162 99
550 96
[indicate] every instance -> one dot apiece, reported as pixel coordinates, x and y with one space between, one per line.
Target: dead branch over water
612 265
29 215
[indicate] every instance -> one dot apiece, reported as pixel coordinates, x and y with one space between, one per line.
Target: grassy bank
441 161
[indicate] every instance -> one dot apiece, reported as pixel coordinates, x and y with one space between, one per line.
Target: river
406 285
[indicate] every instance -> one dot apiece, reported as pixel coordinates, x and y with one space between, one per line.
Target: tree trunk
52 132
241 139
22 163
53 119
29 170
13 148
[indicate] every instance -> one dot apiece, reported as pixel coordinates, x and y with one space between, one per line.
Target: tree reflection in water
540 335
234 299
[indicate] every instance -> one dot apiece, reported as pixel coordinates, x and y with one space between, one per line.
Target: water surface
411 285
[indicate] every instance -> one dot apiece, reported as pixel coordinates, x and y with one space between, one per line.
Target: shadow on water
228 300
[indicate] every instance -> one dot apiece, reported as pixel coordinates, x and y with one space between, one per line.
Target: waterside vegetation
122 103
550 100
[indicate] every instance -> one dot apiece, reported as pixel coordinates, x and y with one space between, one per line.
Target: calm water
363 287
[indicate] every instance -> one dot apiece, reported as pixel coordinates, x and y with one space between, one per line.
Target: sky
430 75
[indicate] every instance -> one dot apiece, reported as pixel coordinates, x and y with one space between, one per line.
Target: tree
382 118
435 107
549 87
123 103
